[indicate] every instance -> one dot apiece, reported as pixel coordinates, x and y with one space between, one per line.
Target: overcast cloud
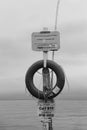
19 18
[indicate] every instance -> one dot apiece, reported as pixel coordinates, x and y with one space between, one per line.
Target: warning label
46 41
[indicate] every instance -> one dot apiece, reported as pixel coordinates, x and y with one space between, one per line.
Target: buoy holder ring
43 42
41 94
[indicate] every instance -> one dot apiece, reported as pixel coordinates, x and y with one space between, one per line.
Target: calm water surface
23 115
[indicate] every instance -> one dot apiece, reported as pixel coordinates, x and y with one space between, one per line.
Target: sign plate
46 110
46 41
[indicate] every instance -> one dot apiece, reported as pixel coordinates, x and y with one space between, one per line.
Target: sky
20 18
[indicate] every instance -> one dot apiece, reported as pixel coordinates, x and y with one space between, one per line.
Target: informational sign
46 41
46 110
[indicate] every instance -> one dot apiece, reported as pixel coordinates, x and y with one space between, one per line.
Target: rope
66 80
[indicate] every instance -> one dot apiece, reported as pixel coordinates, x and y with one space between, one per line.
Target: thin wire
55 28
56 19
66 80
57 11
52 71
26 91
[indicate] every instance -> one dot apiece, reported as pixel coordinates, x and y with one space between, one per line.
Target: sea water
23 115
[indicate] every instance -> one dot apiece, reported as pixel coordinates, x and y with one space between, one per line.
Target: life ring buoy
34 68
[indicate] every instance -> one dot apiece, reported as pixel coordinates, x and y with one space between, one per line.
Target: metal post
46 75
46 82
50 125
46 113
45 57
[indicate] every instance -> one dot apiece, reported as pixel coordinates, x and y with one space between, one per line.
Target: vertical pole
46 82
46 75
45 53
50 124
45 71
45 57
46 112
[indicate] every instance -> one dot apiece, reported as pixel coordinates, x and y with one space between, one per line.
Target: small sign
46 41
46 110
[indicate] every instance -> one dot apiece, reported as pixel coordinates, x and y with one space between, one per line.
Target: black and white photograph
43 64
